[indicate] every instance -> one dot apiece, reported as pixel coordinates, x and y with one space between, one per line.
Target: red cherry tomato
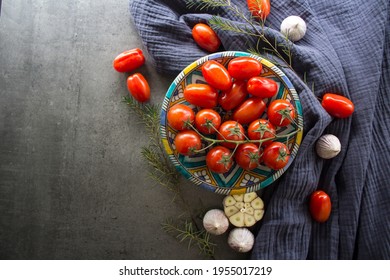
261 129
259 8
244 68
231 130
129 60
207 121
216 75
276 155
320 206
219 159
187 142
281 112
337 105
201 95
205 37
235 96
180 116
138 87
247 156
250 110
262 87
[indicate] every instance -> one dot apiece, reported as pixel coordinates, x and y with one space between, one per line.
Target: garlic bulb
294 27
328 146
243 210
215 222
241 240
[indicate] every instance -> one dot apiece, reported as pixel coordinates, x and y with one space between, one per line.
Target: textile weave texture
345 51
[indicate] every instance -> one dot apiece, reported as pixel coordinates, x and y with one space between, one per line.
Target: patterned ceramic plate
236 180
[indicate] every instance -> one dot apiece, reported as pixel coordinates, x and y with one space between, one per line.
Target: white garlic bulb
241 240
243 210
328 146
294 27
215 222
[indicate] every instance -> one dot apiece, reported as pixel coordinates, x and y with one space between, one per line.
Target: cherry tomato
235 96
259 8
201 95
247 156
129 60
180 116
216 75
262 87
138 87
244 68
250 110
337 105
320 206
261 129
231 130
276 155
281 112
207 121
219 159
205 37
187 142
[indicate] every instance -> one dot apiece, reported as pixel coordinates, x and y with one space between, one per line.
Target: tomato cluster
137 85
228 119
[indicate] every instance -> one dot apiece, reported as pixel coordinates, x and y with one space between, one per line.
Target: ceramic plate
236 180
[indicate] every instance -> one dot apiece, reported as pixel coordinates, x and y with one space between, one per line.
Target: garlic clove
241 240
229 201
257 203
328 146
248 197
237 219
215 222
249 210
258 214
249 220
238 197
231 210
239 205
294 27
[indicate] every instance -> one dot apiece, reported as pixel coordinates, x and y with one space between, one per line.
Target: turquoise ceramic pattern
194 167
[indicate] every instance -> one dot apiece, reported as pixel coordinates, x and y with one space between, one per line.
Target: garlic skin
328 146
215 222
241 240
294 27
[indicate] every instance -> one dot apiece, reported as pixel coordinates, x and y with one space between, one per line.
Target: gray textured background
72 183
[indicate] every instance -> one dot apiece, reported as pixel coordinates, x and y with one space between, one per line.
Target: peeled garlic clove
328 146
241 240
257 203
258 214
215 222
294 27
248 197
229 201
243 212
237 219
231 210
249 220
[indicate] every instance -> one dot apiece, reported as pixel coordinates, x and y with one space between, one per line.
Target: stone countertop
72 182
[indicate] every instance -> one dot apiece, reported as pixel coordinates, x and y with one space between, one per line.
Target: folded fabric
345 51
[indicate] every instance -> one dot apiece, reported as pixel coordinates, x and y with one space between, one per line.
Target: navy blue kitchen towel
346 51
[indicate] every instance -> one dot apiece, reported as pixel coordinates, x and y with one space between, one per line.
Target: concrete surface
72 183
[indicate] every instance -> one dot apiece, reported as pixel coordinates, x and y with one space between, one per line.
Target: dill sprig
187 232
165 174
254 28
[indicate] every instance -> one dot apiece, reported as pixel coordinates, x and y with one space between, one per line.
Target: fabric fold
345 51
